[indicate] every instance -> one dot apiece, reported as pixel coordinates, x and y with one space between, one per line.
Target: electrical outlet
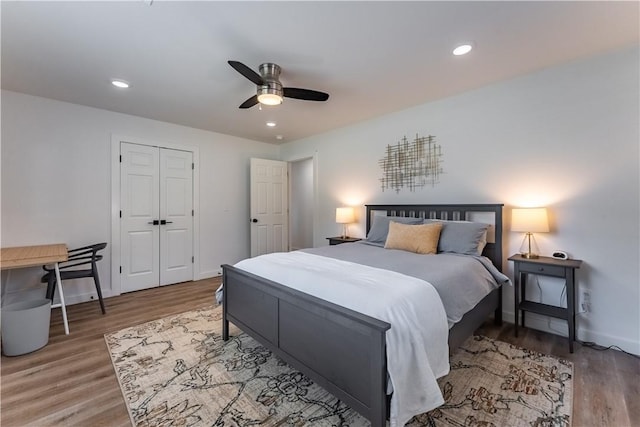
586 302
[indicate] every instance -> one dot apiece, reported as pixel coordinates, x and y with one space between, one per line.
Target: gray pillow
380 227
462 237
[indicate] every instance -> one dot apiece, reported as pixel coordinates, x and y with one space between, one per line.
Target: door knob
254 220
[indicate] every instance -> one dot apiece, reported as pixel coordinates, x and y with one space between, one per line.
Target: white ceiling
373 58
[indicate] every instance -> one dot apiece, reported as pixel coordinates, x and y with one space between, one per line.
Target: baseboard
34 293
209 274
78 299
559 327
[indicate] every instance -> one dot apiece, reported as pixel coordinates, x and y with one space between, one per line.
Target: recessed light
271 124
279 137
463 49
120 83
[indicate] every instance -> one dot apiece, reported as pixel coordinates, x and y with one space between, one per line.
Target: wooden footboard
339 349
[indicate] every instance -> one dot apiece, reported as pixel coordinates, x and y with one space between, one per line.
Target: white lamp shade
344 215
529 220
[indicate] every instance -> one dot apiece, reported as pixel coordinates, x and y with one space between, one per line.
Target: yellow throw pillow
421 239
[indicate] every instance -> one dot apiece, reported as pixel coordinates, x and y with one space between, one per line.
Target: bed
307 332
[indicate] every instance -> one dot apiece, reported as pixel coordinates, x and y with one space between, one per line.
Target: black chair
87 255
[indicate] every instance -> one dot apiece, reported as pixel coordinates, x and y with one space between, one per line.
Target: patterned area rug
178 371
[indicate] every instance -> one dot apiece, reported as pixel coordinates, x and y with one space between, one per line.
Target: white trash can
25 326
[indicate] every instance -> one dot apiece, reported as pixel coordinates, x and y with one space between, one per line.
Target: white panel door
156 199
176 216
140 238
269 207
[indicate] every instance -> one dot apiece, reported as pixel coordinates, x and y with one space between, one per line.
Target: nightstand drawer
547 270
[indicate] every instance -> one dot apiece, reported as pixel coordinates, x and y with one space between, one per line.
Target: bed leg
379 401
379 413
497 317
225 330
379 423
225 321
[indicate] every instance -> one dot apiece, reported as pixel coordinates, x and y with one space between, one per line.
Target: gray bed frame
340 349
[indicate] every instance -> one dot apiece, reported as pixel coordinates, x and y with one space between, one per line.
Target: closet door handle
154 222
164 221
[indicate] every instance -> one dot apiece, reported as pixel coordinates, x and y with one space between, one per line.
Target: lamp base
344 232
529 248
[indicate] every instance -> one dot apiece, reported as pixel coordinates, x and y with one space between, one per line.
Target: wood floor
71 382
606 386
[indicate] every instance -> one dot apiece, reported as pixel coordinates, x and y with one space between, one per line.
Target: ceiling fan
270 91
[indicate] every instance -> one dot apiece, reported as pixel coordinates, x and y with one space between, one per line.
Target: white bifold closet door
156 216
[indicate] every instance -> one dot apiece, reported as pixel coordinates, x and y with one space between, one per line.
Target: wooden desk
34 256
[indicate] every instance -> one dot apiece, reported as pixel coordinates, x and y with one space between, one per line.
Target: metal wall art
411 164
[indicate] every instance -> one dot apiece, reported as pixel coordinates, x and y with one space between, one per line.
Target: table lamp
344 216
529 221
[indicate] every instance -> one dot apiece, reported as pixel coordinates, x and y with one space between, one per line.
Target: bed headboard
486 213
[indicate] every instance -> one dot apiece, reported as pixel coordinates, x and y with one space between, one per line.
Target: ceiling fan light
269 99
270 93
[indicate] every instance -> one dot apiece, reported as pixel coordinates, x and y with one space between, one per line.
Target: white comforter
417 348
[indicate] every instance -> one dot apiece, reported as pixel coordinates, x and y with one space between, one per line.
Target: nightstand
551 267
338 240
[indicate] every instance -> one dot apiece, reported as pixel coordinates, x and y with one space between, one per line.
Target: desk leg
63 307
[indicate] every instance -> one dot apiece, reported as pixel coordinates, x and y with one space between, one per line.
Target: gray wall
565 137
56 183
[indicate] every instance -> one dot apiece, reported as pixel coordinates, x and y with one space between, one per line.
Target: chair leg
51 287
96 280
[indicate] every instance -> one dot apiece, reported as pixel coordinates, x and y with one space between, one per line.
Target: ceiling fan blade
306 94
247 72
250 102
